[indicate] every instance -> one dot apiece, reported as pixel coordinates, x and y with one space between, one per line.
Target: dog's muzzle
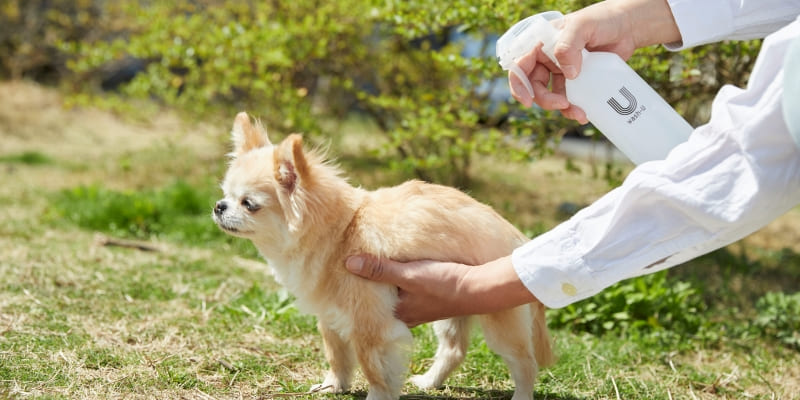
220 208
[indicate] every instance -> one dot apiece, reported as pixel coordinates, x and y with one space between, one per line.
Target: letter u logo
627 110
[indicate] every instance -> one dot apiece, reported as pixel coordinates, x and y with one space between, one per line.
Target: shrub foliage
779 317
423 71
642 305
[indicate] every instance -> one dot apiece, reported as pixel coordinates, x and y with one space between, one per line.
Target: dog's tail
542 344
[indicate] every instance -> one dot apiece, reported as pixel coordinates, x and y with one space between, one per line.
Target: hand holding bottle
596 86
615 26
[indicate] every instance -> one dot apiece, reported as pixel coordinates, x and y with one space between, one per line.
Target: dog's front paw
424 382
329 386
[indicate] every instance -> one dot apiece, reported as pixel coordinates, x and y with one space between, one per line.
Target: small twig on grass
231 368
691 392
281 395
616 389
102 240
227 365
320 388
204 395
672 364
295 394
230 384
35 300
154 364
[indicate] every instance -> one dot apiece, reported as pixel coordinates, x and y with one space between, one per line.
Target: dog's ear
291 166
292 174
245 136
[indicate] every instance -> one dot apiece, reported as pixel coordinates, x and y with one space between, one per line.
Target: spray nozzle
521 38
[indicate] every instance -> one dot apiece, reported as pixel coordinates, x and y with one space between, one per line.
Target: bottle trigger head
521 38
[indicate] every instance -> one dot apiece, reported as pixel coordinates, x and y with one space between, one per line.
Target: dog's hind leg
339 354
453 337
509 334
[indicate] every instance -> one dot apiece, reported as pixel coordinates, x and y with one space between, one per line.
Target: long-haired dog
306 219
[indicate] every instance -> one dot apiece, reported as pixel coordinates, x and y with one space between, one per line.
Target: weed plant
779 317
641 307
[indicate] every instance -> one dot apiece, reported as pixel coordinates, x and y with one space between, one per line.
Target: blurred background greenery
423 72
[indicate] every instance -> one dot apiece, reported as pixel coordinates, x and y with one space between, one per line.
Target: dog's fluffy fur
305 219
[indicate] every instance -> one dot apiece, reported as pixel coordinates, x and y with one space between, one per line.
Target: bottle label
631 108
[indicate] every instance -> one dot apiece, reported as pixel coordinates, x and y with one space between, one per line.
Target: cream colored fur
305 219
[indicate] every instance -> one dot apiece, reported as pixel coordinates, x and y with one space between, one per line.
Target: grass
200 317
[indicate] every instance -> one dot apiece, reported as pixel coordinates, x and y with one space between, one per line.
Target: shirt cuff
700 22
547 268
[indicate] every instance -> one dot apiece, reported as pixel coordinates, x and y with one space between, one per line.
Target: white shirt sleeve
733 176
708 21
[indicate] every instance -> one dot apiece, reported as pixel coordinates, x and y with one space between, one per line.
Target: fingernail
570 72
355 264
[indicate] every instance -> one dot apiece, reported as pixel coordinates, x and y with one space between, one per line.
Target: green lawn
194 314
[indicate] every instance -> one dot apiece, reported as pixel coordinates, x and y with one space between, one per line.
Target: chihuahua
306 219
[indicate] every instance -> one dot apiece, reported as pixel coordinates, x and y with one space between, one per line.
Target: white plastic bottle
616 100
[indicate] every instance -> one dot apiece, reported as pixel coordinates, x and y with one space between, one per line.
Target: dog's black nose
220 207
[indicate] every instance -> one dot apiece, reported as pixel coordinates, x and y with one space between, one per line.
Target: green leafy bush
779 317
402 63
641 305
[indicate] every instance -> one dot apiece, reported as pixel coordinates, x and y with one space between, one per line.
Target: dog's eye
249 205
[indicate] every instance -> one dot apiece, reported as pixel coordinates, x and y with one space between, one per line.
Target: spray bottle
616 100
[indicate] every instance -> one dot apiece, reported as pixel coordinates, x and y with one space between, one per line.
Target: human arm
702 22
432 290
733 176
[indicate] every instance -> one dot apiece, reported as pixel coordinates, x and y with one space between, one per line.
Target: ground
80 318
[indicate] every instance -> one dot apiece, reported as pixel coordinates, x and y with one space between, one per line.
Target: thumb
372 268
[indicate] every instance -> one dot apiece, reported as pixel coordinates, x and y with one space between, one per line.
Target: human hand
433 290
425 288
616 26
